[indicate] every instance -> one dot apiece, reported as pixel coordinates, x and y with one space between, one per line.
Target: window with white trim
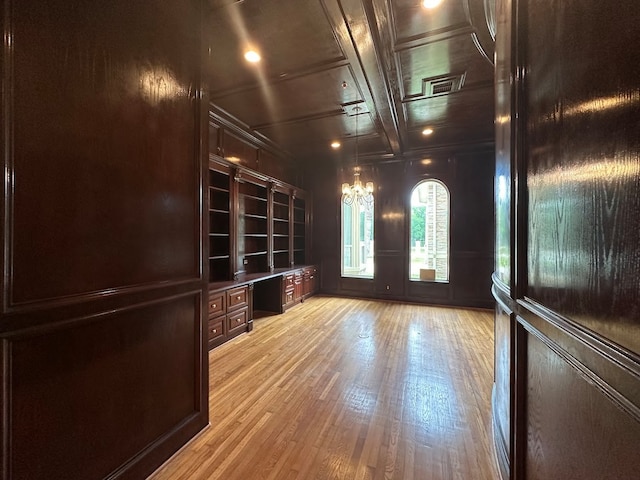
357 239
429 232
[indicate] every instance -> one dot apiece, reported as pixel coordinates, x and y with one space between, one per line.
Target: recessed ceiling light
252 56
427 131
431 3
335 145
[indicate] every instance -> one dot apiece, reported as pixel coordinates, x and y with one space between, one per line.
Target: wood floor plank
342 388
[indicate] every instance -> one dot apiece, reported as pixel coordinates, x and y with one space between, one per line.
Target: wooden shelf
219 225
254 215
253 254
252 222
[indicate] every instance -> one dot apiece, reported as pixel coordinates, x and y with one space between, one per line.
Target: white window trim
437 255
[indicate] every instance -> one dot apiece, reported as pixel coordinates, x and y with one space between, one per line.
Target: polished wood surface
103 286
257 224
570 350
504 388
583 188
349 389
389 55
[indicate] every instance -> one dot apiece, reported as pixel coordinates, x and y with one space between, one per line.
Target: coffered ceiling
407 67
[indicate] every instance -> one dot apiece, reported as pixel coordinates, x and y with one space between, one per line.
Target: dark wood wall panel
504 142
103 124
501 401
391 201
239 151
471 277
469 178
104 370
112 383
567 178
392 282
583 176
326 227
472 203
568 418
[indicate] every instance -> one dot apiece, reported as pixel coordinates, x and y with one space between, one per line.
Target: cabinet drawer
216 304
288 281
215 327
288 297
237 321
236 298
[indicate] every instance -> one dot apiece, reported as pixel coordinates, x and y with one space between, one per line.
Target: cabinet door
314 280
298 285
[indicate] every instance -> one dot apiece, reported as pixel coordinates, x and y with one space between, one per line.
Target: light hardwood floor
349 389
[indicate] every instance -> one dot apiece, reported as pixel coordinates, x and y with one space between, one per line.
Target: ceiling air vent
443 85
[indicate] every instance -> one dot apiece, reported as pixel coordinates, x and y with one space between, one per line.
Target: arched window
357 238
429 234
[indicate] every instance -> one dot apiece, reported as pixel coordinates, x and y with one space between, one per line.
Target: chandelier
358 193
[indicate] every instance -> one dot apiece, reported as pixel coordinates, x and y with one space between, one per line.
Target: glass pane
429 234
357 240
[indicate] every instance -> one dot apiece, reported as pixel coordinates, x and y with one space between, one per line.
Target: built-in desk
232 303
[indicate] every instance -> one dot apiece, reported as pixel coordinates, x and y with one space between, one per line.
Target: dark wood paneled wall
568 100
102 286
467 175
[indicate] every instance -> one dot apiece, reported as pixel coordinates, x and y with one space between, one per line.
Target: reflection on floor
349 389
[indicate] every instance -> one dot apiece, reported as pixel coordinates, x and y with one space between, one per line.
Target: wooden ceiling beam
351 21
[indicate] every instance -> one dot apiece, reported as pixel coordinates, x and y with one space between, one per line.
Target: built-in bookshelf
299 230
281 230
256 223
219 225
252 227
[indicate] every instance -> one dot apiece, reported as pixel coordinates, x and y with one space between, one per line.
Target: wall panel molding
595 359
131 372
69 301
105 373
499 441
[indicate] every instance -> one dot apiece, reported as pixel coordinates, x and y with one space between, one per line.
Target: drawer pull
239 320
213 305
214 331
239 297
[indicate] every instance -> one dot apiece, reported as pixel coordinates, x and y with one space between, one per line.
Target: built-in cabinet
257 224
230 313
310 283
258 246
299 284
